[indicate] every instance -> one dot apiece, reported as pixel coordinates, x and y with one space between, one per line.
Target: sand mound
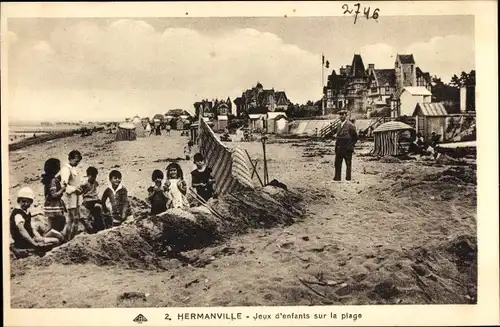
121 245
139 245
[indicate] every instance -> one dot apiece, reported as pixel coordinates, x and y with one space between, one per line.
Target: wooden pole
205 204
266 176
254 168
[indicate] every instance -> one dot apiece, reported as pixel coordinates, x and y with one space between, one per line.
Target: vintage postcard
250 163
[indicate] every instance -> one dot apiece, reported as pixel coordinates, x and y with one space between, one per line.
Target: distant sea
20 131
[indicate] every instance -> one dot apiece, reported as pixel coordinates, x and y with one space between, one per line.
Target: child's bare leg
65 230
50 241
68 228
55 234
76 218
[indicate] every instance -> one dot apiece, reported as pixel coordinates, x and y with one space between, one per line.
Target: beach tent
139 127
126 132
139 130
387 138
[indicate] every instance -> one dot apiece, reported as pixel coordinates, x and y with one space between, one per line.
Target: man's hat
342 112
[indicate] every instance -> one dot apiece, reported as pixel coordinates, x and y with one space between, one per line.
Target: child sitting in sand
115 201
91 202
24 234
176 185
158 194
202 179
54 207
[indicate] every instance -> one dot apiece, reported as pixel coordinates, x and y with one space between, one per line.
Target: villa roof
406 59
435 109
385 76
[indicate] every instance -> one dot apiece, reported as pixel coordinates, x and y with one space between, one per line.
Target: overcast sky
90 69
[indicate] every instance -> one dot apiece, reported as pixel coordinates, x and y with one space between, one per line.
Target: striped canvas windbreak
229 166
386 144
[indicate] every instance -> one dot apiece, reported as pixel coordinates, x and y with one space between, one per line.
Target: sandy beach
401 232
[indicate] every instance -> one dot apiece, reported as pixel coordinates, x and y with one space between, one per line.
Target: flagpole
322 84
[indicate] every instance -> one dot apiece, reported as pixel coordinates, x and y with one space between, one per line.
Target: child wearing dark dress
202 179
115 201
54 207
158 194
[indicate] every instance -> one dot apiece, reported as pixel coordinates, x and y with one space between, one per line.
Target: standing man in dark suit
344 146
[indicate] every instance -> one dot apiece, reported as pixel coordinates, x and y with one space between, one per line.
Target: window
387 90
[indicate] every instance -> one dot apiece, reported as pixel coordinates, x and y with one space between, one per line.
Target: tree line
449 93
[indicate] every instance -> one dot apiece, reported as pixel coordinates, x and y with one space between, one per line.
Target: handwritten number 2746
366 12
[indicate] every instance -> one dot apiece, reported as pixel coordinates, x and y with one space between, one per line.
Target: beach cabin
256 122
388 138
409 98
179 124
281 124
194 129
222 121
126 132
193 132
431 117
276 122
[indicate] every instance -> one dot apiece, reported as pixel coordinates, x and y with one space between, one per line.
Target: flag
229 165
323 61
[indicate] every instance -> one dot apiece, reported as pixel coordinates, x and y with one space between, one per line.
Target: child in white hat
24 234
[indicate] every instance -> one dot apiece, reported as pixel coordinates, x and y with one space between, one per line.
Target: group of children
71 198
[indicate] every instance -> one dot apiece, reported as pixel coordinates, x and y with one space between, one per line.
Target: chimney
371 67
463 99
